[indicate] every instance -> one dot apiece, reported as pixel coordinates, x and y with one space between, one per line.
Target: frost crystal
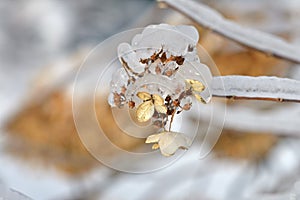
156 68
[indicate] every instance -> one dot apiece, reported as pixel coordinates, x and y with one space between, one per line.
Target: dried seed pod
144 61
163 57
179 60
169 72
155 56
187 106
157 70
131 104
176 103
190 48
123 90
168 98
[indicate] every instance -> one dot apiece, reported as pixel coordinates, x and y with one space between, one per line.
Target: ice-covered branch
258 40
262 88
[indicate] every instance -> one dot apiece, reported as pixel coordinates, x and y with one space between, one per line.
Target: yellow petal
199 98
161 108
158 100
144 96
195 85
155 146
159 104
145 111
153 138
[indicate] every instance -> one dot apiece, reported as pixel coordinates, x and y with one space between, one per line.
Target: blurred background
41 156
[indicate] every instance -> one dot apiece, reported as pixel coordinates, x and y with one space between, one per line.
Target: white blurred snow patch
253 38
10 194
51 20
24 178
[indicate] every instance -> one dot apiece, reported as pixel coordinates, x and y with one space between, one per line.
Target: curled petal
169 142
153 138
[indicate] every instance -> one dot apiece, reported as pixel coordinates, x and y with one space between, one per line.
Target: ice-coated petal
171 141
198 72
153 138
195 85
158 100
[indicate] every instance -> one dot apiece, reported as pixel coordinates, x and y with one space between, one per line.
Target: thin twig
128 69
256 88
261 41
172 118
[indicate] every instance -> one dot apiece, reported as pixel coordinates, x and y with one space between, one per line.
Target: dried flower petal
196 86
145 111
151 103
169 142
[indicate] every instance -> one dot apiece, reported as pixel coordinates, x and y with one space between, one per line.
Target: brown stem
172 118
258 98
127 68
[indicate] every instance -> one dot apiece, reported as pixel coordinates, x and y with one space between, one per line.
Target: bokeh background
42 43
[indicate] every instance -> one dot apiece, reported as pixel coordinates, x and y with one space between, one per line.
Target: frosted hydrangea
161 73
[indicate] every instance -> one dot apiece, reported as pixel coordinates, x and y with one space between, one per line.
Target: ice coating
158 61
160 77
174 38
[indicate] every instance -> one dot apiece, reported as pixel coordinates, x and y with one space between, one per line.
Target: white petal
171 141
